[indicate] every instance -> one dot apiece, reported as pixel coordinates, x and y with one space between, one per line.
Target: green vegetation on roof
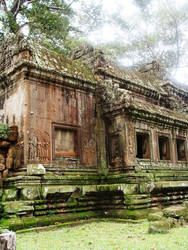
52 60
147 79
4 131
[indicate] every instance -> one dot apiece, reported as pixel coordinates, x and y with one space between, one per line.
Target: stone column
8 241
101 143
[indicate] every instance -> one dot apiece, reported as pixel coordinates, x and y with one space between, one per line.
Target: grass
103 235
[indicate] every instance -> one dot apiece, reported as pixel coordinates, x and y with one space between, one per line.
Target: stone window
143 146
65 142
164 148
181 149
114 146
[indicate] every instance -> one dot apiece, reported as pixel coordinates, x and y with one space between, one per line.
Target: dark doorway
164 149
143 148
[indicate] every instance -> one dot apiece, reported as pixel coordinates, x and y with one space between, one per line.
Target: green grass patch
103 235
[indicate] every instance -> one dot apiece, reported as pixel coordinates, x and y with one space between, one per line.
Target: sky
130 12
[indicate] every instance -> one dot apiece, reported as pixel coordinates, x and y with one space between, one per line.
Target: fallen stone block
175 211
156 216
161 226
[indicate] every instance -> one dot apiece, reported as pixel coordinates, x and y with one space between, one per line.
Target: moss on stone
12 224
1 193
72 203
155 216
129 214
161 226
17 207
48 59
176 211
4 131
31 193
29 222
9 194
136 214
20 223
130 189
41 207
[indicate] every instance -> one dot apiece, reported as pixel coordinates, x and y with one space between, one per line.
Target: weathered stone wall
58 106
107 148
11 151
42 200
15 104
125 129
41 90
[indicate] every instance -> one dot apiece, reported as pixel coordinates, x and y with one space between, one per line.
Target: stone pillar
129 152
101 144
155 146
173 150
8 241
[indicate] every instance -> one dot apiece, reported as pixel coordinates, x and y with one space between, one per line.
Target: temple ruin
82 137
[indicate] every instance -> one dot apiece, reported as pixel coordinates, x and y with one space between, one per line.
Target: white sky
131 12
127 9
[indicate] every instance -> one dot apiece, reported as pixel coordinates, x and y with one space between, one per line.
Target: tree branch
4 5
59 8
17 6
54 8
70 4
17 9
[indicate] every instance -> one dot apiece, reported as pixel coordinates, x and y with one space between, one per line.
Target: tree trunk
8 241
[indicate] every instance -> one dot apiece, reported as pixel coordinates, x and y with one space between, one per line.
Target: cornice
176 90
35 72
145 116
133 86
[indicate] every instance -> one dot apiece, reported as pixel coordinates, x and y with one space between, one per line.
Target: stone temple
83 137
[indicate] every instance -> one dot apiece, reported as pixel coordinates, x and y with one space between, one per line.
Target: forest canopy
133 31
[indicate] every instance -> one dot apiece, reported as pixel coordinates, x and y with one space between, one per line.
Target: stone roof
42 58
150 76
51 60
159 110
148 79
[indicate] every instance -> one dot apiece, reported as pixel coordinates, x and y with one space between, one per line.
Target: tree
162 37
47 21
155 31
158 34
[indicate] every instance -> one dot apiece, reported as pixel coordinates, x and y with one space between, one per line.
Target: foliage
88 16
155 31
47 21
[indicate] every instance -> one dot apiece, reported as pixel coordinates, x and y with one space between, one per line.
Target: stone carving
112 95
38 147
14 156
